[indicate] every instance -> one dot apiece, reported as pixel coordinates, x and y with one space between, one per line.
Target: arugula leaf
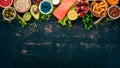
63 22
69 23
21 21
45 16
88 21
66 20
33 24
103 21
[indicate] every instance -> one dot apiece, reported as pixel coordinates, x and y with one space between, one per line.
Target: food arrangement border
84 9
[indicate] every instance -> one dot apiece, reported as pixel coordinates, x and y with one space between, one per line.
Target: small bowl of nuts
9 13
114 12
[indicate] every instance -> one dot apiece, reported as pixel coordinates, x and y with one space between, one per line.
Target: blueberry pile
45 7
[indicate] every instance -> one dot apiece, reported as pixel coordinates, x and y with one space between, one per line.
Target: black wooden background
52 46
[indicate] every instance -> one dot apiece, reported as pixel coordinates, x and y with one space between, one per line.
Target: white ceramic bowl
6 17
109 13
55 2
42 3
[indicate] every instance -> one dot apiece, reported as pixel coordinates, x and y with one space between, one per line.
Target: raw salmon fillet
61 11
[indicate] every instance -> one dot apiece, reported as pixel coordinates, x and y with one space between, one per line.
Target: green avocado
35 12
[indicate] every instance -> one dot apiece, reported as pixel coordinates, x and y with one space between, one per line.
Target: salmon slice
61 11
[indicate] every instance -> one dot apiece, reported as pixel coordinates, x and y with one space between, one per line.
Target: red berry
81 14
85 2
82 7
80 1
86 9
77 9
77 3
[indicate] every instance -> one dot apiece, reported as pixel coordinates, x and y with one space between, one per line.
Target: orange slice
113 2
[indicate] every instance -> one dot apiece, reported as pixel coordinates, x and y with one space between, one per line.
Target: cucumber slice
27 16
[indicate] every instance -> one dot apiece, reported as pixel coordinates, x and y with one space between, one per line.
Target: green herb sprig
21 21
88 21
45 16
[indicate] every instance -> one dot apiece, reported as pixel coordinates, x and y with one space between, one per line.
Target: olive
9 13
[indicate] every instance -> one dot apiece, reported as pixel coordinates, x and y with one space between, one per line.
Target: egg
55 2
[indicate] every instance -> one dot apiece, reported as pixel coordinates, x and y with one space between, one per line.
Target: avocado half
35 11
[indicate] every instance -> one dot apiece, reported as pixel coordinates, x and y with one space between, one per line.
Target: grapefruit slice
5 3
22 6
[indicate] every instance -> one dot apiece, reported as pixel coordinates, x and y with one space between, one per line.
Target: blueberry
45 7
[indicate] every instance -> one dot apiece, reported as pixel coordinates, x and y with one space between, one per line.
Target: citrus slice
5 3
72 15
113 2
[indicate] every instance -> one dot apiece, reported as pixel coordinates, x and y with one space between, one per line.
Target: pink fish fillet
61 11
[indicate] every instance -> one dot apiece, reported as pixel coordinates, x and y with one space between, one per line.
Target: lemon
72 15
